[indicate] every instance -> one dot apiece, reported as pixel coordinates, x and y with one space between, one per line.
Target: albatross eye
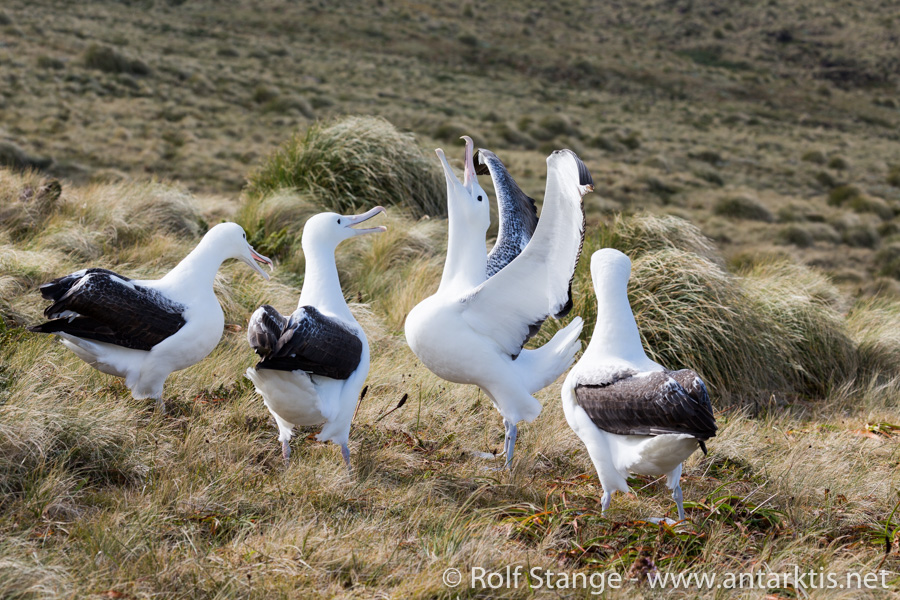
479 198
339 221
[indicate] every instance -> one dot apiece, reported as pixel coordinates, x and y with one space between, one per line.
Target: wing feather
517 212
510 306
100 305
652 404
314 343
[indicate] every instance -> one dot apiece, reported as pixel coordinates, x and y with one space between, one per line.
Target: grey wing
517 212
316 344
653 404
98 304
265 329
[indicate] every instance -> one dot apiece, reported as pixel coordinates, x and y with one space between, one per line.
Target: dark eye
479 198
339 221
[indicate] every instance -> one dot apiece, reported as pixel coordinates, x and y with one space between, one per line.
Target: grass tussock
777 327
350 165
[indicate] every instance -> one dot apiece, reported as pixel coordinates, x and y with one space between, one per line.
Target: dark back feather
100 305
655 404
317 344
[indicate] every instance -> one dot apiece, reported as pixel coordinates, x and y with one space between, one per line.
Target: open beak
449 175
469 177
256 257
357 219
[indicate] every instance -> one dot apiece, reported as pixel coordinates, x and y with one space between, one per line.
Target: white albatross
143 330
314 363
633 414
472 330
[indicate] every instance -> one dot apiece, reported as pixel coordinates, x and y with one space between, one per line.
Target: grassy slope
101 494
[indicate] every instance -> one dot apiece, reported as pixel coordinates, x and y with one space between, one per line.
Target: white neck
197 271
466 264
615 333
321 284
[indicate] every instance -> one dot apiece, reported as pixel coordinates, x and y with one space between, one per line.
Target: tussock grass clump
875 325
693 314
775 328
12 155
109 60
803 308
646 232
350 164
743 207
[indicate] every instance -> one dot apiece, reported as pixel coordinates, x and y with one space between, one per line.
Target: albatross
633 414
473 331
143 330
314 363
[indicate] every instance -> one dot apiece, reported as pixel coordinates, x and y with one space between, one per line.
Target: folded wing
650 404
308 341
100 305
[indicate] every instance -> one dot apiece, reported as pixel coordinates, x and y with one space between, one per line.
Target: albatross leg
161 404
286 451
678 497
604 501
345 452
510 443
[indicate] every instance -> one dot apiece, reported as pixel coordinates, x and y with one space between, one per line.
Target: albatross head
466 200
327 230
572 169
233 240
610 269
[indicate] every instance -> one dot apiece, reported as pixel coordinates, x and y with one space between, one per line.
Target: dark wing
655 404
316 344
517 212
56 289
98 304
265 329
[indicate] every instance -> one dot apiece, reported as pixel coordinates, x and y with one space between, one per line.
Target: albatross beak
256 257
469 177
357 219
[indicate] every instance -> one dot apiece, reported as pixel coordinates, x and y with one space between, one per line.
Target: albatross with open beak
314 363
143 330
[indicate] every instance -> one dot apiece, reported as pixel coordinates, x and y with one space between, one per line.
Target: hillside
746 158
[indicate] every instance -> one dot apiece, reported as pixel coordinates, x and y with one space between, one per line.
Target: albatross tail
541 367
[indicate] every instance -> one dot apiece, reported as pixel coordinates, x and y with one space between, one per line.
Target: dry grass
102 495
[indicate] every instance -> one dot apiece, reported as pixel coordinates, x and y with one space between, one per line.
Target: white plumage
143 330
315 363
633 415
472 330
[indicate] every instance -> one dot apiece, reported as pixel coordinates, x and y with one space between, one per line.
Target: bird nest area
102 494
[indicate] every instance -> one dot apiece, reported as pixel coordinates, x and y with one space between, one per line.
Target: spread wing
518 214
511 306
98 304
308 341
650 404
